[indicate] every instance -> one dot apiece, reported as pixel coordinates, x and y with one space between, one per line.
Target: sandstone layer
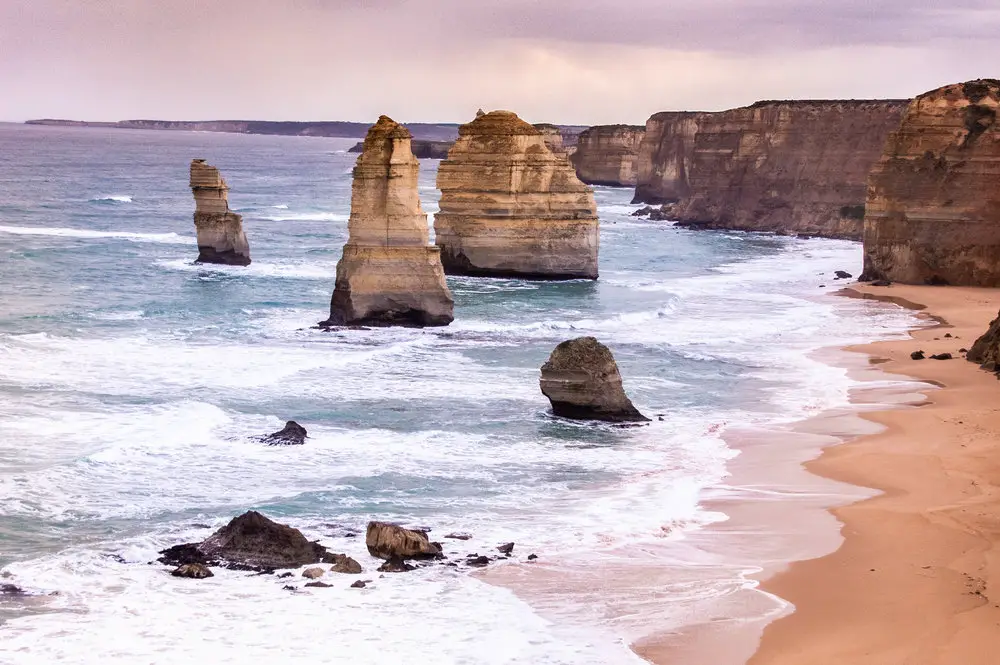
220 230
781 166
389 274
582 382
510 207
607 155
933 209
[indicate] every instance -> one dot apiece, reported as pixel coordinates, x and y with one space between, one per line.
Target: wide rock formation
389 274
782 166
607 155
933 209
510 207
250 541
391 542
220 230
582 382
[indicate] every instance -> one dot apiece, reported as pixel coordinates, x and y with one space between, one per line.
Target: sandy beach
916 579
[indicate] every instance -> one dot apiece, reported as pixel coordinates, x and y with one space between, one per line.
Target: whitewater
132 382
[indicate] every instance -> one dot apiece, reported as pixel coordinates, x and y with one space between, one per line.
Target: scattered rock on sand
195 571
388 541
941 356
917 355
582 382
292 434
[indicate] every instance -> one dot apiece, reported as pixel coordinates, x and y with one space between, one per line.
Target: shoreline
919 562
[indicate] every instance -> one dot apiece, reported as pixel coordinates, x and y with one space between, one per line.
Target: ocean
132 382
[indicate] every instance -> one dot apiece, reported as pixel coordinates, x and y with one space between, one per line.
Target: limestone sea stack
220 230
389 273
510 207
795 167
607 155
582 382
933 209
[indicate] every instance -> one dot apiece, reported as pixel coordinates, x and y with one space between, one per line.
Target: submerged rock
251 542
582 382
389 274
219 229
292 434
511 207
388 541
194 571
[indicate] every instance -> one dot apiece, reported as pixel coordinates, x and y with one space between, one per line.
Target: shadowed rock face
220 231
582 382
607 155
986 350
933 209
781 166
510 207
389 274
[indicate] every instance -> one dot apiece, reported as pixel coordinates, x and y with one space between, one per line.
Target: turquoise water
131 381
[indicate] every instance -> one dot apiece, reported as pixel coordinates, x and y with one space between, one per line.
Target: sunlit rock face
389 273
220 231
511 207
933 209
608 154
783 166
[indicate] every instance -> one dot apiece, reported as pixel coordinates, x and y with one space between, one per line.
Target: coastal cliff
389 274
781 166
607 155
933 209
510 207
220 230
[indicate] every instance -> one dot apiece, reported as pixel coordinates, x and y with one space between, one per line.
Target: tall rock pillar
389 273
220 230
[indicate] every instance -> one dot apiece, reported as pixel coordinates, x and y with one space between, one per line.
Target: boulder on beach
252 542
195 571
582 382
292 434
986 350
390 542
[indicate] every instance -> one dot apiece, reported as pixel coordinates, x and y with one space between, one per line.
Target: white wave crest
112 198
168 238
309 217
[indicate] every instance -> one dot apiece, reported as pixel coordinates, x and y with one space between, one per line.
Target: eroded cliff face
783 166
608 154
220 231
510 207
933 210
389 274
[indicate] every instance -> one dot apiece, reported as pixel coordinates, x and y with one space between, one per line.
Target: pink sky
586 62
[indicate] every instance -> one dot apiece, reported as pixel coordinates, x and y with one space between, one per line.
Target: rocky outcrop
781 166
393 543
389 274
510 207
986 350
607 155
292 434
220 230
250 541
582 382
933 209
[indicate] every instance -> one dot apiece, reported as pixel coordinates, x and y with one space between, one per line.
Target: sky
563 61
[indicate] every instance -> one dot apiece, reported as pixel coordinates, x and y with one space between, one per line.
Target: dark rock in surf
12 590
292 434
507 548
250 542
360 584
459 536
395 566
345 564
840 274
582 382
388 541
479 561
318 585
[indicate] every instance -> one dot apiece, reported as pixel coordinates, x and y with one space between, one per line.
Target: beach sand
917 578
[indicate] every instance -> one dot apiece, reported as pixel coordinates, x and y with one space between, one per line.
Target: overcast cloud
583 61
